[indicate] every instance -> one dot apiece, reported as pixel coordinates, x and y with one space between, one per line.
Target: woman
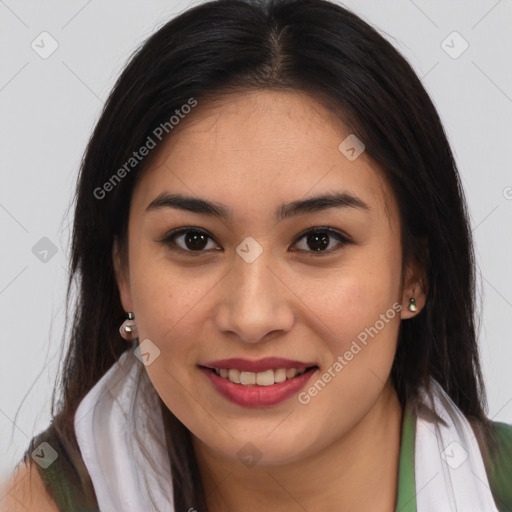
270 215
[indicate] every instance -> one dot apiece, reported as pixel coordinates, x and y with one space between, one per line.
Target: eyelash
341 237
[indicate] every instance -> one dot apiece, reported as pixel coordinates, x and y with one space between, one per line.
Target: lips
261 365
259 383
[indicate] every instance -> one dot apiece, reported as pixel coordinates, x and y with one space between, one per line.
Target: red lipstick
261 365
255 395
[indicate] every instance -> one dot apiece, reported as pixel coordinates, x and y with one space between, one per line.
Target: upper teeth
266 378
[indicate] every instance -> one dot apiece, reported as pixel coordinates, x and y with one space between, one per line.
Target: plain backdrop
49 107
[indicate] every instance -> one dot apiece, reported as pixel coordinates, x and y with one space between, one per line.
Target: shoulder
497 456
57 481
503 431
500 445
26 492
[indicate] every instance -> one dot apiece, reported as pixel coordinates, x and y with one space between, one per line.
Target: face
313 292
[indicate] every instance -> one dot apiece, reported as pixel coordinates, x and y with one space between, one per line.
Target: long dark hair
317 47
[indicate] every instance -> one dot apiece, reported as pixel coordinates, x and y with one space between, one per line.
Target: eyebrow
284 211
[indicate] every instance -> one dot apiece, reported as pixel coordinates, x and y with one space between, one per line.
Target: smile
261 383
266 378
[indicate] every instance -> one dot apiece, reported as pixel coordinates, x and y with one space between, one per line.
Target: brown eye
194 241
320 240
189 240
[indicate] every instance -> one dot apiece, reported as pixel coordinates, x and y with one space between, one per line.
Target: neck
358 472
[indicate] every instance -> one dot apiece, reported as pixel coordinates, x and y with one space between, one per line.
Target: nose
254 301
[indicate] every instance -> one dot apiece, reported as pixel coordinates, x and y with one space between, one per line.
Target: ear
122 277
414 287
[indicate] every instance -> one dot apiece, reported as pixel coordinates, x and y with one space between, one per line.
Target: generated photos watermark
137 156
343 360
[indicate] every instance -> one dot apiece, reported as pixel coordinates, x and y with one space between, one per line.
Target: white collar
110 422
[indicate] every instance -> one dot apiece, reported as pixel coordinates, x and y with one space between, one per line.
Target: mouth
260 383
264 378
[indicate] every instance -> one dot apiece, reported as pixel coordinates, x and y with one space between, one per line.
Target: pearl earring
128 329
412 305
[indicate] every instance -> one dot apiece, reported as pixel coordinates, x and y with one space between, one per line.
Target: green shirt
68 481
498 467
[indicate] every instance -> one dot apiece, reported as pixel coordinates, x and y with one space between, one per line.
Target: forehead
253 149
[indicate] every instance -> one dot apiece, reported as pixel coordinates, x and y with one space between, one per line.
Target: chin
259 448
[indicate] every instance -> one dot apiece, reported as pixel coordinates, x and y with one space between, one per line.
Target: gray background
49 107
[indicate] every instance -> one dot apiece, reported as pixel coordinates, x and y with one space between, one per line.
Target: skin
253 151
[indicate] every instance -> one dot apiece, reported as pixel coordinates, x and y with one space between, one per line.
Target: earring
128 329
412 305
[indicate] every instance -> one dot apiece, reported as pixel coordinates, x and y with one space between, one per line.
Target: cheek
168 304
356 297
362 309
178 393
165 295
363 324
170 311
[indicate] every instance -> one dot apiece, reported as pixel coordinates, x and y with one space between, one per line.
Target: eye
195 240
319 240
